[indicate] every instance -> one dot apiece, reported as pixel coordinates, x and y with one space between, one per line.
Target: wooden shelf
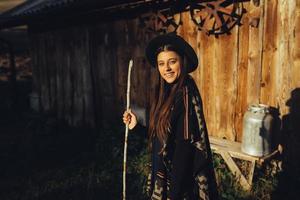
228 150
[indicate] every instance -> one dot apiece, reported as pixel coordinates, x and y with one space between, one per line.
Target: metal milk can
257 124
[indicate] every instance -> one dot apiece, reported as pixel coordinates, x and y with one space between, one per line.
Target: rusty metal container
257 124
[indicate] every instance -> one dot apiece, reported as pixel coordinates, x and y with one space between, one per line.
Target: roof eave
72 13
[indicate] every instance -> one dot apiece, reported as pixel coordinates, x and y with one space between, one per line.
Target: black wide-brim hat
176 41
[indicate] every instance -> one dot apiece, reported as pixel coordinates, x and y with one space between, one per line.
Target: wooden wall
81 72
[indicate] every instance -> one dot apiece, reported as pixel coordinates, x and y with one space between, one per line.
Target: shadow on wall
289 181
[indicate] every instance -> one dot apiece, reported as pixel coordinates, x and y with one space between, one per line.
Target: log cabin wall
81 72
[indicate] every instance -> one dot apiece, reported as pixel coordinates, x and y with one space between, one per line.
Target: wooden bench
228 150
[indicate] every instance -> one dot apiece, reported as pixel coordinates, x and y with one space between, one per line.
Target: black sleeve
139 129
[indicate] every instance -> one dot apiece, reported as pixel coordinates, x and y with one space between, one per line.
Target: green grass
70 172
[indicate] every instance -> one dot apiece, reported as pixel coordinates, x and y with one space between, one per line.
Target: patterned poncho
201 183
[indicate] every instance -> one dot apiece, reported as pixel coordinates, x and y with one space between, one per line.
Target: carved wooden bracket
217 16
256 2
162 21
211 16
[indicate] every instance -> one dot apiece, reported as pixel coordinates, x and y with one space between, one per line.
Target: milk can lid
261 108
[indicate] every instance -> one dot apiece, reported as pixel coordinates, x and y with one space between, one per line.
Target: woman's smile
169 74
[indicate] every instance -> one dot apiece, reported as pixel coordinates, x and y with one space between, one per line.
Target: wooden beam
233 148
251 172
235 170
8 4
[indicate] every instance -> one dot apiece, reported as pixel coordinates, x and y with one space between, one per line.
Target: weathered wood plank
255 52
235 170
270 55
206 80
122 57
51 72
104 66
242 71
233 148
78 105
251 172
36 86
284 61
45 89
295 41
57 65
95 43
226 66
68 84
87 81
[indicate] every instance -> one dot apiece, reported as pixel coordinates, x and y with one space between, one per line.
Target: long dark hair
164 94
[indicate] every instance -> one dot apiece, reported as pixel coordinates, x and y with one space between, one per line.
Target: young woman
181 156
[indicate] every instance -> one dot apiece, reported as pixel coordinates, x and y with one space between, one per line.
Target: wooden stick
126 130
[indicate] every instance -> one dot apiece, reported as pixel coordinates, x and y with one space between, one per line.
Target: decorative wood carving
162 21
217 16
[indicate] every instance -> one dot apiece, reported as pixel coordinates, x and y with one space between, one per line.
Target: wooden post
236 171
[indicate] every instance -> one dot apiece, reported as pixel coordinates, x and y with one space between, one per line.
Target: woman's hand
130 119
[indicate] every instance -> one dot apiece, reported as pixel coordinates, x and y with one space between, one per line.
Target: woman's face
169 65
